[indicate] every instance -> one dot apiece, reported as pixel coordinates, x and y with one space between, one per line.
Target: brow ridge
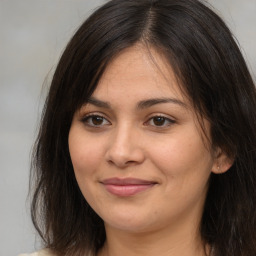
151 102
98 103
140 105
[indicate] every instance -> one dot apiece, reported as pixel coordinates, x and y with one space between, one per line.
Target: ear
222 162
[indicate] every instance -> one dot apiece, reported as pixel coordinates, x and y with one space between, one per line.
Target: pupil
97 120
158 121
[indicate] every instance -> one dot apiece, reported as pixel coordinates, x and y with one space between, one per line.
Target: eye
95 120
160 121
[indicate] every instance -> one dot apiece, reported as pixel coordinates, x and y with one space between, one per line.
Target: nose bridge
124 146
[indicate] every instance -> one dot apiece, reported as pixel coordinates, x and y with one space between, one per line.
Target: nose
125 148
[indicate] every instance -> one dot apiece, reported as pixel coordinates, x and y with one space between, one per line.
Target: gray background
32 36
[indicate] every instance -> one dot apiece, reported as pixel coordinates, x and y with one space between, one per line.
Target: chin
130 222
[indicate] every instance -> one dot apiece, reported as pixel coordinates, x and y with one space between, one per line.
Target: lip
127 187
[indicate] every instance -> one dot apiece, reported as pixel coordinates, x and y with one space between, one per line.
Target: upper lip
127 181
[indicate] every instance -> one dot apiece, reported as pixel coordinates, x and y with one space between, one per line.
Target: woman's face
137 150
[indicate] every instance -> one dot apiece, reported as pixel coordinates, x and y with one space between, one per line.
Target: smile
126 187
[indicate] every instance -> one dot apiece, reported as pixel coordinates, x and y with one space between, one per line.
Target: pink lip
127 187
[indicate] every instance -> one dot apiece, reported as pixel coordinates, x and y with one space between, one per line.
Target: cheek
182 156
186 167
84 154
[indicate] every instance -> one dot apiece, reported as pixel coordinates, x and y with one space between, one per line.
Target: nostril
111 162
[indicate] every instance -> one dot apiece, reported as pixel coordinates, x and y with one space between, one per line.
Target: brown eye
159 120
95 121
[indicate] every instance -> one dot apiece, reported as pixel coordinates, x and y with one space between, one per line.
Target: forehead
139 70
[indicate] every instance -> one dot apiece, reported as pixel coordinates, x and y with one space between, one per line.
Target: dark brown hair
207 61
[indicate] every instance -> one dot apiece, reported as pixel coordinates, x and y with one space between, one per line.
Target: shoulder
44 252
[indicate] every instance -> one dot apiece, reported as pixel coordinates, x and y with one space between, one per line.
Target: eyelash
87 120
164 118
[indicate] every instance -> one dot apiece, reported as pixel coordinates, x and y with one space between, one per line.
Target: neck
161 242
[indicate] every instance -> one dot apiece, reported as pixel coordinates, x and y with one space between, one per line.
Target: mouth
127 187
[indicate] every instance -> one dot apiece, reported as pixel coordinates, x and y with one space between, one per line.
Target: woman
147 143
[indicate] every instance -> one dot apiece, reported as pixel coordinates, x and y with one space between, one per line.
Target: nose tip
125 151
123 160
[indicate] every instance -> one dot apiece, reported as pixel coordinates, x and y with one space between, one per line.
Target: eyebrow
140 105
151 102
98 103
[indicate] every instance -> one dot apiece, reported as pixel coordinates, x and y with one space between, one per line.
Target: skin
127 140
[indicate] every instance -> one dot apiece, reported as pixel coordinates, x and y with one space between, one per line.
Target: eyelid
169 119
85 118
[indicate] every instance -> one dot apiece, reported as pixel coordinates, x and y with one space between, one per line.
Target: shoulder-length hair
208 63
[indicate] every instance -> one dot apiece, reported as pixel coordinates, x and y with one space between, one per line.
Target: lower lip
127 190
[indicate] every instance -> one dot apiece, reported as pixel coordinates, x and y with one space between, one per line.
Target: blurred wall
33 34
